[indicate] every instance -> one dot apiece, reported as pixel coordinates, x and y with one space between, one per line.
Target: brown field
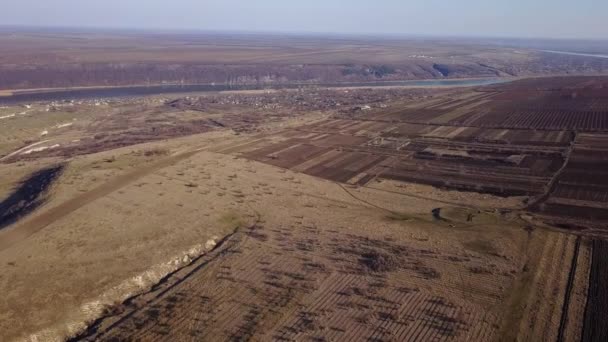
582 187
597 297
312 214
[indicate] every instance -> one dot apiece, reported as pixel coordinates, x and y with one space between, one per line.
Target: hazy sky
506 18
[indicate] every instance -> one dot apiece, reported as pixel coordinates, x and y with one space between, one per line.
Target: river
576 54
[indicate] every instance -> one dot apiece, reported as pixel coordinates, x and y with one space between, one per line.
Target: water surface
576 54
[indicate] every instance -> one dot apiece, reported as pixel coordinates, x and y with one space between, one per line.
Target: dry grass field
325 215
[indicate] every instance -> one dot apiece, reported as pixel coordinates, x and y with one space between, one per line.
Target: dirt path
550 187
23 149
23 230
569 289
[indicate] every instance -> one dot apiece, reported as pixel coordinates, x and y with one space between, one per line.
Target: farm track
580 189
551 186
569 289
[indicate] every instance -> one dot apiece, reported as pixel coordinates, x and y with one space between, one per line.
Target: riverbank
83 93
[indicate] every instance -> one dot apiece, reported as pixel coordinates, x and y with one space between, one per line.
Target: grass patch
481 246
469 216
520 292
231 221
399 217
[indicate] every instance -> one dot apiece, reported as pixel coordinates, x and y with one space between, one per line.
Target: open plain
388 214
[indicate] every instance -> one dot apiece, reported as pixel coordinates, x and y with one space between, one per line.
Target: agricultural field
581 189
384 214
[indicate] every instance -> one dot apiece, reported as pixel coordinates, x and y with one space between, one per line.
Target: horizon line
160 30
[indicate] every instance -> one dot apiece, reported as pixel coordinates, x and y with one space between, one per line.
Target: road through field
23 230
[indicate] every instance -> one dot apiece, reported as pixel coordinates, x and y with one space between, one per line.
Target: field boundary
97 329
569 286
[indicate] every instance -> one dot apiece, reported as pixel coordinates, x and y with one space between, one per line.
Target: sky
579 19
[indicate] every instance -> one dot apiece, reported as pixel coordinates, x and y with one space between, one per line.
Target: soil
299 219
28 196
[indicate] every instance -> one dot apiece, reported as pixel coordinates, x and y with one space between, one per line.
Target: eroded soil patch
28 196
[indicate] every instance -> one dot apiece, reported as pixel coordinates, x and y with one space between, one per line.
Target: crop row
552 120
596 312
